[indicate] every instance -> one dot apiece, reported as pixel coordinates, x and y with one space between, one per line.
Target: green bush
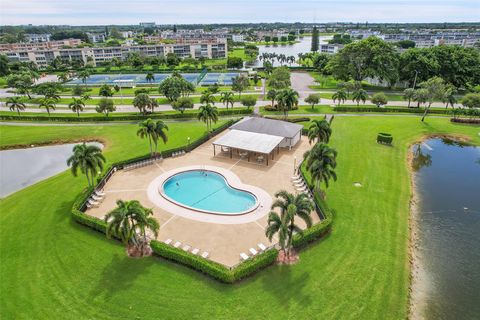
387 109
85 219
384 138
255 264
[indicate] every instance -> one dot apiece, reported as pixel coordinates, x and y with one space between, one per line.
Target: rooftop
268 126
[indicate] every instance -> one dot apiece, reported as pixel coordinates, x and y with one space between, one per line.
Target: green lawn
54 268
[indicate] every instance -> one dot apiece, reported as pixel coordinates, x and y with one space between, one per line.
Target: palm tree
290 206
142 101
287 99
340 96
150 77
89 159
15 103
51 94
148 129
160 128
319 130
129 221
77 105
47 104
226 98
359 95
207 113
84 75
321 163
63 76
207 97
272 95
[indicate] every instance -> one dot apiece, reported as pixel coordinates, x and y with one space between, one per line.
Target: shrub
384 138
379 99
387 109
248 101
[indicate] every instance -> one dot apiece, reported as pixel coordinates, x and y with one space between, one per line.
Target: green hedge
388 109
131 117
385 138
85 219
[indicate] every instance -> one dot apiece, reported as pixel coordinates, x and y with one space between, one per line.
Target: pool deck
223 240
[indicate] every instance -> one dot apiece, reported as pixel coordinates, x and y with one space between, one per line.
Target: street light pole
415 80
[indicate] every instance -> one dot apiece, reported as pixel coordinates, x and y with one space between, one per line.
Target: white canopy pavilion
246 142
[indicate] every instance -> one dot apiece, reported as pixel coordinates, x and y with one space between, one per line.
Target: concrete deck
223 241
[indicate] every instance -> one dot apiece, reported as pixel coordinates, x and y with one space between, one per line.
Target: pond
447 223
20 168
302 46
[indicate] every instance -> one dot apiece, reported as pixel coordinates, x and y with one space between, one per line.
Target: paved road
301 82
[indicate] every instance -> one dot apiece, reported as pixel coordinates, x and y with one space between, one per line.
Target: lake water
447 177
303 46
20 168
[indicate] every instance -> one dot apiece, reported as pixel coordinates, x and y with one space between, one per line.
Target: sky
103 12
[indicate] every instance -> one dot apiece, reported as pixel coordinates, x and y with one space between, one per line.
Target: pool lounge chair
205 255
168 241
95 197
186 247
244 256
93 202
262 246
195 251
100 193
253 251
177 244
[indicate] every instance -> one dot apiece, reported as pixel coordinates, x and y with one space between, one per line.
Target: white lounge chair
95 197
90 206
100 193
195 251
262 246
302 189
186 247
205 255
253 251
177 244
244 256
295 177
93 202
168 241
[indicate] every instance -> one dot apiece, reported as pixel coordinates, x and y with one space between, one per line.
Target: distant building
96 37
127 34
330 48
429 39
34 37
238 38
5 47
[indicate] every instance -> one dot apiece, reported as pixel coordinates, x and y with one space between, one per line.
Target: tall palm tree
359 95
319 130
77 105
208 114
147 129
272 95
51 94
290 206
129 221
84 75
227 98
150 77
15 103
48 104
160 128
321 162
340 96
89 159
287 99
207 97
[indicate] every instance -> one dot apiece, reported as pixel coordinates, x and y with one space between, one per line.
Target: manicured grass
53 268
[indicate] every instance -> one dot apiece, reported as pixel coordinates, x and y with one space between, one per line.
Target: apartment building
96 37
428 39
37 37
96 55
330 48
31 46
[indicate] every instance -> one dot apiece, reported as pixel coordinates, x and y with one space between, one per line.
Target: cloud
101 12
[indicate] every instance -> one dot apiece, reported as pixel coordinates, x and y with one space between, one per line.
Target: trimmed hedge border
208 267
463 120
388 109
230 112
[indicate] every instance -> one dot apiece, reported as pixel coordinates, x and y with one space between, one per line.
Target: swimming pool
209 192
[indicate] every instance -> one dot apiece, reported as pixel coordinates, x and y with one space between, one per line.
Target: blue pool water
112 79
207 191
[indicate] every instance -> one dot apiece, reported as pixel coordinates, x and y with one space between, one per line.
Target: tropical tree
15 103
207 98
321 162
51 94
182 104
409 94
208 114
153 131
420 96
89 159
359 95
240 83
248 101
142 101
105 91
279 79
150 77
130 221
379 99
84 75
63 76
312 99
175 87
471 100
105 106
283 224
77 105
436 90
227 98
340 96
48 104
319 130
286 100
272 95
449 96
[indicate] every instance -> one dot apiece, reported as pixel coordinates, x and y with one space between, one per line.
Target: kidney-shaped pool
209 192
